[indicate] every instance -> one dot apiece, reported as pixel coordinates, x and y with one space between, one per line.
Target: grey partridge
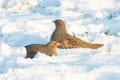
48 49
66 40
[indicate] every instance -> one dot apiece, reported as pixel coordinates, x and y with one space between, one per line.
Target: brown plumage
67 41
48 49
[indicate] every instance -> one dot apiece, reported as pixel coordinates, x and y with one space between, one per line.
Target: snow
24 22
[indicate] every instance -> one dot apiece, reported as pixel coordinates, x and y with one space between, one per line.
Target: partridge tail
94 46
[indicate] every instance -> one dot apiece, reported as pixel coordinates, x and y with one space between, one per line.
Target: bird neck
61 30
51 50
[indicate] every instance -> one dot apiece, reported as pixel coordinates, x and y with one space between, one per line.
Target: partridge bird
67 41
48 49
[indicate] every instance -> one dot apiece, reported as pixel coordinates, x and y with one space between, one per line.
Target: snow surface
24 22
